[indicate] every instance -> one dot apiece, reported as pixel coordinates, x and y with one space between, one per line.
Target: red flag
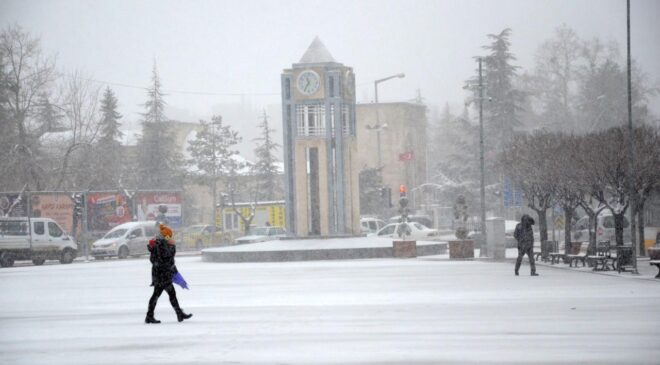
406 156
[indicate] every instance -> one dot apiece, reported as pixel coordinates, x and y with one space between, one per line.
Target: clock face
308 82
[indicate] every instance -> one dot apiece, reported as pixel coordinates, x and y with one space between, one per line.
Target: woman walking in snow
163 250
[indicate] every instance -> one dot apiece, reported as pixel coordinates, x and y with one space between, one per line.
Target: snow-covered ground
426 310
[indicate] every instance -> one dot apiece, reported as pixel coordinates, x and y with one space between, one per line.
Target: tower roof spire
317 53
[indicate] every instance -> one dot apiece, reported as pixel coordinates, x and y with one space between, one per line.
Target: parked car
199 236
418 231
36 239
128 239
605 229
371 225
261 234
425 220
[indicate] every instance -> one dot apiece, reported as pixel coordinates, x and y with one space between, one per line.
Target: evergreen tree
501 111
47 115
373 199
108 148
267 174
158 161
213 153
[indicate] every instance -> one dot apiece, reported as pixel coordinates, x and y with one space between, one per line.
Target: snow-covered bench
657 264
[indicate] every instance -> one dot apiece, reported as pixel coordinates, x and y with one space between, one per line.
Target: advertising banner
57 206
163 206
12 205
106 211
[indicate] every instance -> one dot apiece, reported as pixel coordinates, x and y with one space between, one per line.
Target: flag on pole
406 156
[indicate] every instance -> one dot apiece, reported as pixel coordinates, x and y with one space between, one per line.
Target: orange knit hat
165 231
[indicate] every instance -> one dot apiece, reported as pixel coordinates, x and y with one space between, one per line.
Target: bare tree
28 73
80 105
527 161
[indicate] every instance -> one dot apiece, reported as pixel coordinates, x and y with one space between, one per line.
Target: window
310 120
331 81
54 230
387 230
231 222
373 226
39 228
151 231
287 89
136 232
344 118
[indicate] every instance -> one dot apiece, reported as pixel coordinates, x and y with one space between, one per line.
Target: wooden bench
547 247
657 264
578 257
602 260
573 248
654 256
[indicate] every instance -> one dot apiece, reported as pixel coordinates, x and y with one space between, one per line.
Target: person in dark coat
162 251
524 234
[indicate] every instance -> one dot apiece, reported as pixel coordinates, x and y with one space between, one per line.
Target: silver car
128 239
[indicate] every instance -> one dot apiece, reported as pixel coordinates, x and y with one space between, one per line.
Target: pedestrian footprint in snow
524 234
163 250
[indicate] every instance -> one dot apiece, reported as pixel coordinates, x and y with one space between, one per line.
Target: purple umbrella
179 280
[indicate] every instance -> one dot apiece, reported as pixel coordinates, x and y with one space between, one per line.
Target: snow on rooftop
317 53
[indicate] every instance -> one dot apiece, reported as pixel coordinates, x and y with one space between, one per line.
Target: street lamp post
378 127
481 161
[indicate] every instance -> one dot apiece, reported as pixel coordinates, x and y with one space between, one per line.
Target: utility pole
631 158
483 251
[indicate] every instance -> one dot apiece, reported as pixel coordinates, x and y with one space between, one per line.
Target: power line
187 92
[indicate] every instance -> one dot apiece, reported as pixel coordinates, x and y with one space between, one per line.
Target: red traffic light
402 190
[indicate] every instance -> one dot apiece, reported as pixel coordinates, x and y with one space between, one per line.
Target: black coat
162 261
524 233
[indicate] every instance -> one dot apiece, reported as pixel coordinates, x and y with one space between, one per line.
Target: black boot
516 273
181 316
535 274
150 319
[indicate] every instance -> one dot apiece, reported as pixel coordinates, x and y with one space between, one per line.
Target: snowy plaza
427 310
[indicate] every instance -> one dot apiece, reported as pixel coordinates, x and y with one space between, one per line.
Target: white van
128 239
36 239
605 230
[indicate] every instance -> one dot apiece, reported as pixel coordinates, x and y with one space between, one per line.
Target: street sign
512 196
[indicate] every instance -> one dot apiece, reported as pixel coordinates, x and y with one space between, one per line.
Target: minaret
318 116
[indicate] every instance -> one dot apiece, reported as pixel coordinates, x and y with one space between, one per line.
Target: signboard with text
57 206
151 204
107 210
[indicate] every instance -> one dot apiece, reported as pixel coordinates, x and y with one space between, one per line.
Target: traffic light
78 204
402 190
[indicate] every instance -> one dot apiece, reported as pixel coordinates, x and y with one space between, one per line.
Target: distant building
402 143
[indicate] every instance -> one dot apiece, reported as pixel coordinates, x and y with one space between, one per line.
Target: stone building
402 143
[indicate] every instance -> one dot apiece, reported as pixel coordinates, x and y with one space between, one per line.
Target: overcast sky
237 49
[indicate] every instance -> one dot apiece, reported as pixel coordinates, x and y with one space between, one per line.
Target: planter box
404 249
461 249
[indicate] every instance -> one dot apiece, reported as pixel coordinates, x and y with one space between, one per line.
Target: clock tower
318 116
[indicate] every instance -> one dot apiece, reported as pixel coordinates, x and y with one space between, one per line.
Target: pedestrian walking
163 250
524 234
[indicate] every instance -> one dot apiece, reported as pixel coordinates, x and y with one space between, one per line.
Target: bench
657 264
576 258
547 247
602 260
654 256
572 248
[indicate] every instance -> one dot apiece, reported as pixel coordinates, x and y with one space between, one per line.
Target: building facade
402 144
320 147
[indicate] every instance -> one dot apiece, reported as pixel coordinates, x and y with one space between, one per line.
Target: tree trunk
568 216
543 224
640 226
618 228
593 227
